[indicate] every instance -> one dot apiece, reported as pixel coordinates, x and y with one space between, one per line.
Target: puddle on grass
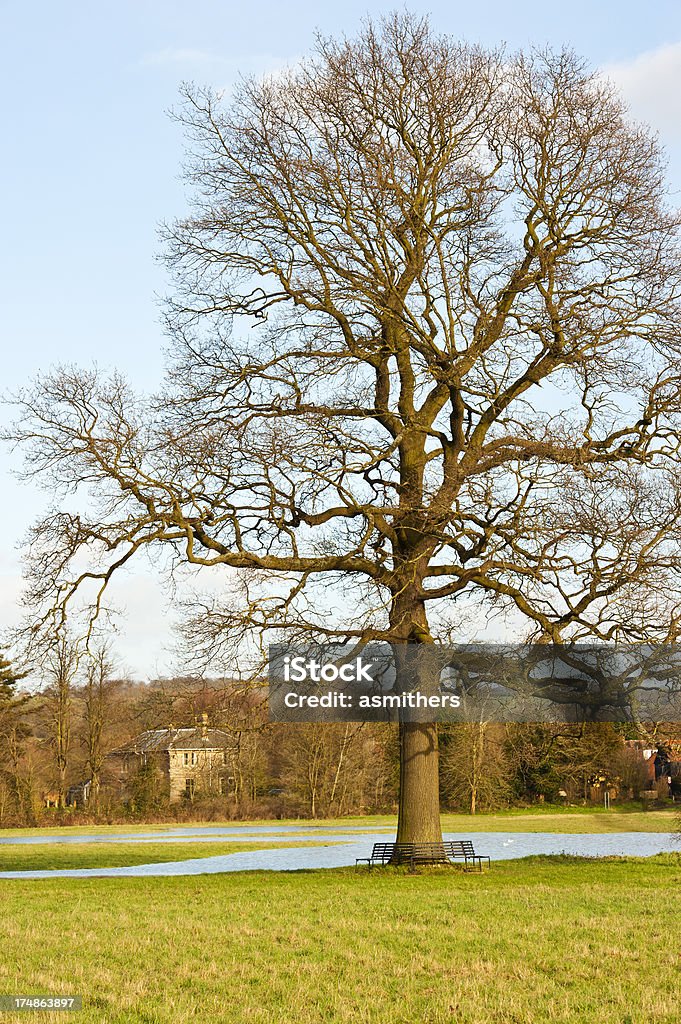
497 845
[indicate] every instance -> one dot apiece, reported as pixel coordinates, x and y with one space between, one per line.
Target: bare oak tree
425 353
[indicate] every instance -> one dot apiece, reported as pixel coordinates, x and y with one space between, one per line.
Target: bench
413 854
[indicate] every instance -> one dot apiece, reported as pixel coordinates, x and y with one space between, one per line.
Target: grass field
539 819
534 941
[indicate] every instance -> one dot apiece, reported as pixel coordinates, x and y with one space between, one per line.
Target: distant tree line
59 735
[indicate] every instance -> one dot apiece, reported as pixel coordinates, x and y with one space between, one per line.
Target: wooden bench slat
424 853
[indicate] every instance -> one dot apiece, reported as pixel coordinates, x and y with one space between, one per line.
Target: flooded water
335 849
197 834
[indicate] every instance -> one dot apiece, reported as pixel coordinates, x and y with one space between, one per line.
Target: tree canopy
424 352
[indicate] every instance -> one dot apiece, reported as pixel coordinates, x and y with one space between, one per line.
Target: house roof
198 738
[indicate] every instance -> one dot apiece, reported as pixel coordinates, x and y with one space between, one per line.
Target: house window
189 788
189 758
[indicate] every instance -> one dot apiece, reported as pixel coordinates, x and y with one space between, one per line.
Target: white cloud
651 85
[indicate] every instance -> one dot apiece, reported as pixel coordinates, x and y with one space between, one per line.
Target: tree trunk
61 786
418 818
419 807
478 742
94 790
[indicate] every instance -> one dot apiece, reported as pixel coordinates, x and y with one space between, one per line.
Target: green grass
540 819
52 856
557 940
569 820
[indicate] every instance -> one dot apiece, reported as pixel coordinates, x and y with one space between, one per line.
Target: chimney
204 725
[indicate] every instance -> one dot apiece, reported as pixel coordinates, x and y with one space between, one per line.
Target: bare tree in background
425 357
475 768
13 733
97 698
320 764
60 670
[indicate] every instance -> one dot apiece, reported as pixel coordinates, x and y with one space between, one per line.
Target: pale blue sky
92 161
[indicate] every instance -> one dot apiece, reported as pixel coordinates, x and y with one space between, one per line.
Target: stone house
188 761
